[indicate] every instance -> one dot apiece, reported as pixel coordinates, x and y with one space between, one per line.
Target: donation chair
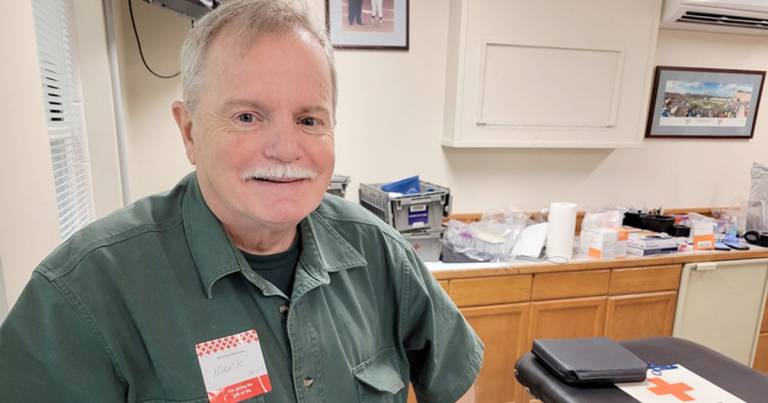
736 378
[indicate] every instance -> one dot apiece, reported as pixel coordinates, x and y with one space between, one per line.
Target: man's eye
246 118
309 122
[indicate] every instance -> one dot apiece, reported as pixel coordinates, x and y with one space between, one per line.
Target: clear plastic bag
757 207
731 220
490 239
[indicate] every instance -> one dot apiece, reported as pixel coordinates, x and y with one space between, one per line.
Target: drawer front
490 290
444 284
645 279
570 284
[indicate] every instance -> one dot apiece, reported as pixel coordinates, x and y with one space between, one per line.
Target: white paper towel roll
561 229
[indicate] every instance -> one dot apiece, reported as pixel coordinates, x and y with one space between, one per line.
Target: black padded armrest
740 380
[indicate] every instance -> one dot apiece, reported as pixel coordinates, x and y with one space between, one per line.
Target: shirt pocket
378 378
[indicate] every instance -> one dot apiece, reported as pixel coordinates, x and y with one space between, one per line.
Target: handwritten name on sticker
233 367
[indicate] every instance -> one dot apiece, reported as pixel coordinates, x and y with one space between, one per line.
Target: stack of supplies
647 243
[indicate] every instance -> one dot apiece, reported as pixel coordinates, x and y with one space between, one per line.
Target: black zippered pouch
597 360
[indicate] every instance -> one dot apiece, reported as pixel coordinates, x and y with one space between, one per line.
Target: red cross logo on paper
675 389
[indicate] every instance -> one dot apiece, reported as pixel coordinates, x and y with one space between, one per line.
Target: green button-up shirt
115 312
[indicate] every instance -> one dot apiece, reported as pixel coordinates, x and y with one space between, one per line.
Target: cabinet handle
705 266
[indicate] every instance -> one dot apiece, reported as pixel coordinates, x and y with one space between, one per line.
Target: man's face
262 134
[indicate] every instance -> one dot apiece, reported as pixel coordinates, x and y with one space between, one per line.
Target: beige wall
155 152
98 105
29 227
390 122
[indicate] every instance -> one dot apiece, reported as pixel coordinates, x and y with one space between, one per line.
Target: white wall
29 227
390 122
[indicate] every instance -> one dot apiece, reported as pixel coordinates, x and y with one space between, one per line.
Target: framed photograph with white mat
368 24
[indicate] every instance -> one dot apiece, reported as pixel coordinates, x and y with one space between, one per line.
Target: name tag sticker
233 367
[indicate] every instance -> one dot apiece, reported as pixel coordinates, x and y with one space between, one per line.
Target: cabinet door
640 315
567 318
502 328
524 73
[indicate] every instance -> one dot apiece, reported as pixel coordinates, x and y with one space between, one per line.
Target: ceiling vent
732 16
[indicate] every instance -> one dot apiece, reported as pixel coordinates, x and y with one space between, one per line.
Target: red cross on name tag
677 385
233 367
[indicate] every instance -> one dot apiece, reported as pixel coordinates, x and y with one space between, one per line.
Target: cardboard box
703 235
607 243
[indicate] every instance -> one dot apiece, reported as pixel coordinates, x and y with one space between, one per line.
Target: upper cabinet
549 73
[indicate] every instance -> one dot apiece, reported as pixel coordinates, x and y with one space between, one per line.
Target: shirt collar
324 249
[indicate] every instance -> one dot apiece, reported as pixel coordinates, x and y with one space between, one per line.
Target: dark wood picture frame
694 102
390 32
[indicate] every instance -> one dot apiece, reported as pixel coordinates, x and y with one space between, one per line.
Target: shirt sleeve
51 350
444 353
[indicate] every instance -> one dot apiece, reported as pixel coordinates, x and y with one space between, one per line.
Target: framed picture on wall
368 24
704 103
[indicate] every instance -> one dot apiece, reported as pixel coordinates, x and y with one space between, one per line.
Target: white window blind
57 53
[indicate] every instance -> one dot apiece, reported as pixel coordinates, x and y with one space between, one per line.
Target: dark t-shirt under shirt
278 268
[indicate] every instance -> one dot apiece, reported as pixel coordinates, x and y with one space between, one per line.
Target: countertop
444 271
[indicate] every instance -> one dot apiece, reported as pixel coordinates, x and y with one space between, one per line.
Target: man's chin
282 216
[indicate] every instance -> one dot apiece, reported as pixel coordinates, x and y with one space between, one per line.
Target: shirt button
308 382
283 308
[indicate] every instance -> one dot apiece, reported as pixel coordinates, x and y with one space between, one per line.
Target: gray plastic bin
426 244
423 211
338 185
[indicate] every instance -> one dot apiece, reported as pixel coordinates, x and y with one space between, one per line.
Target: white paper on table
530 242
677 385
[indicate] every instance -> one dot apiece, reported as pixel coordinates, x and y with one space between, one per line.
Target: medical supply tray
338 185
423 211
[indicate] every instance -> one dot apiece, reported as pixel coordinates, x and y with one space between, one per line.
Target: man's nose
284 141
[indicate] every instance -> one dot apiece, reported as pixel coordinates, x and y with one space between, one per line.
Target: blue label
418 215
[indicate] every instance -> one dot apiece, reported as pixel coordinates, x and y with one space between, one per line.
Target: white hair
250 19
278 171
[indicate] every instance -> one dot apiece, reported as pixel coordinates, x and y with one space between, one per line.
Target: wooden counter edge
619 263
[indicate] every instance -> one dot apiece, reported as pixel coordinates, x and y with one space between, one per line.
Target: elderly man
244 281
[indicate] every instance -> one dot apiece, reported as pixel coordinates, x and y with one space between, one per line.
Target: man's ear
183 118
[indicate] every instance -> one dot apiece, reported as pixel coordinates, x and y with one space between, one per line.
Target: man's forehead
240 41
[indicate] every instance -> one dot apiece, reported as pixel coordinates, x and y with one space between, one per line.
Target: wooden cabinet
761 355
490 290
443 284
508 311
567 318
502 328
640 315
570 284
646 279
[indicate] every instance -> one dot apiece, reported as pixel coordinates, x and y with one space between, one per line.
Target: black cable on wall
141 52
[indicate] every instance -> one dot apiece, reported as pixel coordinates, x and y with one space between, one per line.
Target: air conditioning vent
724 20
733 16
